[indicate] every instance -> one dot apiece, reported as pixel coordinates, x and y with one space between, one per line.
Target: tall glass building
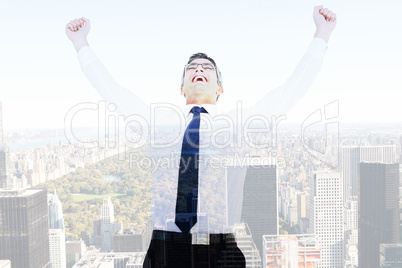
378 199
24 235
55 211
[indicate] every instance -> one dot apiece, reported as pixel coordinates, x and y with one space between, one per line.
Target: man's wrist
323 34
78 44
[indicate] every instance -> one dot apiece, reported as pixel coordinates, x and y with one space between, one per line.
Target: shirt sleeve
127 103
281 99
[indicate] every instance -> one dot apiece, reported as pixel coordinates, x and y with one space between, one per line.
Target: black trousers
174 250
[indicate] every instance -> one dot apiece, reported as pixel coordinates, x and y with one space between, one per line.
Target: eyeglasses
206 66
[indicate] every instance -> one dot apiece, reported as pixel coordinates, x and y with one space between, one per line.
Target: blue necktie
187 189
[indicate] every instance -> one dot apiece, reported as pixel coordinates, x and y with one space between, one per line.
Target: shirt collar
211 108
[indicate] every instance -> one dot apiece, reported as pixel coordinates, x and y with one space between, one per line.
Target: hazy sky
145 44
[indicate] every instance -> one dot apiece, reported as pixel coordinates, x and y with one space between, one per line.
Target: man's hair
203 56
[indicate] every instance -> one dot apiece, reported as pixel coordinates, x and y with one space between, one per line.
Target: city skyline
292 179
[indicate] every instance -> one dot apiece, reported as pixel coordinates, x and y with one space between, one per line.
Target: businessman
193 220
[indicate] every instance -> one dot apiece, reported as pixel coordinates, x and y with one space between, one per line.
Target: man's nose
199 68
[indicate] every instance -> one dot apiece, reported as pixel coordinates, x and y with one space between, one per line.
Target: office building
57 248
326 216
5 174
105 227
352 155
351 233
24 232
74 252
302 205
130 240
95 259
259 199
57 240
56 220
290 251
378 210
390 255
97 234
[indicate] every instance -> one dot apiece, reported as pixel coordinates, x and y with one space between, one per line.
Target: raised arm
127 103
280 100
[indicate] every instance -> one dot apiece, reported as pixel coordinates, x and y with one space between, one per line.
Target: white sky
145 44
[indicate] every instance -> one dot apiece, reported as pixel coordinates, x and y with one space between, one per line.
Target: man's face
200 85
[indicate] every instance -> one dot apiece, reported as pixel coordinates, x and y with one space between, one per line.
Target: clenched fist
77 31
325 21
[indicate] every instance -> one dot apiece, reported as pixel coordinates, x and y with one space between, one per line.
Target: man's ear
182 92
219 91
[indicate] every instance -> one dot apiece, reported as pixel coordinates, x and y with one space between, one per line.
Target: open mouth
199 78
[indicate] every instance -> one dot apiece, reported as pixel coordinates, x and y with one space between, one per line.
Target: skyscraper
74 251
57 248
107 211
302 205
93 258
290 251
378 210
56 220
400 150
97 233
24 228
352 155
107 225
351 233
259 199
326 216
5 175
350 161
129 240
57 243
